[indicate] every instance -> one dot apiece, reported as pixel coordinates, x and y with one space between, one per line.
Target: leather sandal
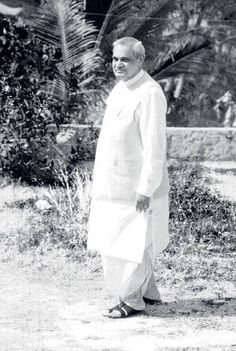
115 307
122 311
108 311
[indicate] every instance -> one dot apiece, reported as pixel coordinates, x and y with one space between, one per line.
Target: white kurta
130 159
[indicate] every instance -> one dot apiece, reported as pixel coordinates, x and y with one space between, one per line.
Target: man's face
125 65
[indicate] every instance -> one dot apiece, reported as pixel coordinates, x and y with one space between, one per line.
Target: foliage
85 148
61 24
25 66
193 108
198 217
28 68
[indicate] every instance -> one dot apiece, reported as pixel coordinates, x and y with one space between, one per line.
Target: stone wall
203 144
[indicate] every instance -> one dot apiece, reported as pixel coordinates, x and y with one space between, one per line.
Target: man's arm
152 121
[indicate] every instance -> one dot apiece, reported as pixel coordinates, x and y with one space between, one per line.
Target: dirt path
41 311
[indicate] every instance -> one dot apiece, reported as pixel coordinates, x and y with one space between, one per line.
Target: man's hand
142 203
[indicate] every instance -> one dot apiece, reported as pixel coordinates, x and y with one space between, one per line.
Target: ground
60 308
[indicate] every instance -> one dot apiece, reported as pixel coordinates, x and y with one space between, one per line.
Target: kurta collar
134 79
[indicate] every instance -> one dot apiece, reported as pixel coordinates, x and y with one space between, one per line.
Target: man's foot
121 311
107 312
151 301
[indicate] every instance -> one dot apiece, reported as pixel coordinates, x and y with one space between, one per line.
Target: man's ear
141 61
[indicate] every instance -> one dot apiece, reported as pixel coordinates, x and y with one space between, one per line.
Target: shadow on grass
194 308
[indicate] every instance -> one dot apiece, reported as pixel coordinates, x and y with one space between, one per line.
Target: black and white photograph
117 175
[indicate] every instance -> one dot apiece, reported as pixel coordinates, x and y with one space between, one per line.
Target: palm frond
187 57
62 23
158 19
129 17
137 15
119 11
56 89
105 24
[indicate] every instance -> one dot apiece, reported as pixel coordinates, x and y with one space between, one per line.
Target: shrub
29 72
26 66
197 216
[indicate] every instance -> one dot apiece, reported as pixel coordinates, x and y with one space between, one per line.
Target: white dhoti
131 280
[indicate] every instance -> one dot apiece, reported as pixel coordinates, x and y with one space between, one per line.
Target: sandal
110 310
115 307
122 311
151 301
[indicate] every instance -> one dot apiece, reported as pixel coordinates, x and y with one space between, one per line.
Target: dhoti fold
130 281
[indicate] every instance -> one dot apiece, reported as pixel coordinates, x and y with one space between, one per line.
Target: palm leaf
187 57
62 23
128 16
118 12
158 19
105 24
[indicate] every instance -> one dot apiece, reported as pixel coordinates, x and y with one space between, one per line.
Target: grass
202 226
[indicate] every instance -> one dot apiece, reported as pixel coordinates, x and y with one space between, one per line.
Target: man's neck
134 79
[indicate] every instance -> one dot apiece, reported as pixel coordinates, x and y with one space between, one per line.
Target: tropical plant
62 25
47 76
54 22
26 112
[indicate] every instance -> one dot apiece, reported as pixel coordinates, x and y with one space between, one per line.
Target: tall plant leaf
62 23
187 57
157 19
105 24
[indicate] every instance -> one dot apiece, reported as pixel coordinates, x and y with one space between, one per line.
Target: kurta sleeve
152 123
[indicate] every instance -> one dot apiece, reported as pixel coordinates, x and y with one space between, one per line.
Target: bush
198 217
29 73
26 66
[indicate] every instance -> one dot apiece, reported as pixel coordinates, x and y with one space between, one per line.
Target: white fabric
118 230
130 281
131 158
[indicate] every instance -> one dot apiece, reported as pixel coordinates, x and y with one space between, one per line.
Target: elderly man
129 209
